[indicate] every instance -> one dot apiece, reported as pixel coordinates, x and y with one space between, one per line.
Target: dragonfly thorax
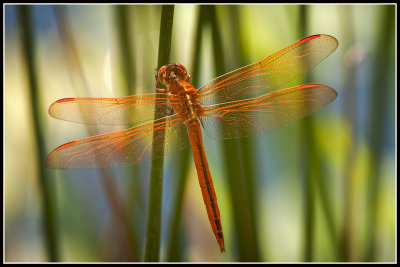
184 100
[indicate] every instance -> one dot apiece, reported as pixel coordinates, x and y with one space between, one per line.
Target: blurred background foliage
320 189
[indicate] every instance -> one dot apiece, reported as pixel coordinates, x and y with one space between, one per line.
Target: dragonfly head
167 74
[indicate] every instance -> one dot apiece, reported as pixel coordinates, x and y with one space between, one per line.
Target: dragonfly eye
162 74
180 71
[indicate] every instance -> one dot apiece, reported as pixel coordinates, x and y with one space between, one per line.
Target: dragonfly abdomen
205 180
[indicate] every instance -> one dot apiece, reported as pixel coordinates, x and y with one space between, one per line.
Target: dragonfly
244 102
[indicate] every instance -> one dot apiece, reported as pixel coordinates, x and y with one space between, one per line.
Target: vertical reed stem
45 184
153 231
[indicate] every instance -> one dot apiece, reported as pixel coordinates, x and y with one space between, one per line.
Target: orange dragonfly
243 102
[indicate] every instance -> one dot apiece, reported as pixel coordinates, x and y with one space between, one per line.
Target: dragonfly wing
265 113
267 75
132 146
123 110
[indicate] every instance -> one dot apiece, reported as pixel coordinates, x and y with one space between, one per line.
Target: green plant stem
309 190
243 221
125 34
375 134
313 174
345 252
124 232
45 184
153 231
246 147
308 164
125 37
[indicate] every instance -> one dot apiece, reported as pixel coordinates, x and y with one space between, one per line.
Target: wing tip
55 104
333 40
333 91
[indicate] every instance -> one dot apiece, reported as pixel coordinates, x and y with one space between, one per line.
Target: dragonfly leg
167 110
160 90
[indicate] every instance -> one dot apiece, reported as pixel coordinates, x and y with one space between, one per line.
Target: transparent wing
123 110
265 113
267 75
123 148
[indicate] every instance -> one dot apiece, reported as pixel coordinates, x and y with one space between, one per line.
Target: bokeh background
321 189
